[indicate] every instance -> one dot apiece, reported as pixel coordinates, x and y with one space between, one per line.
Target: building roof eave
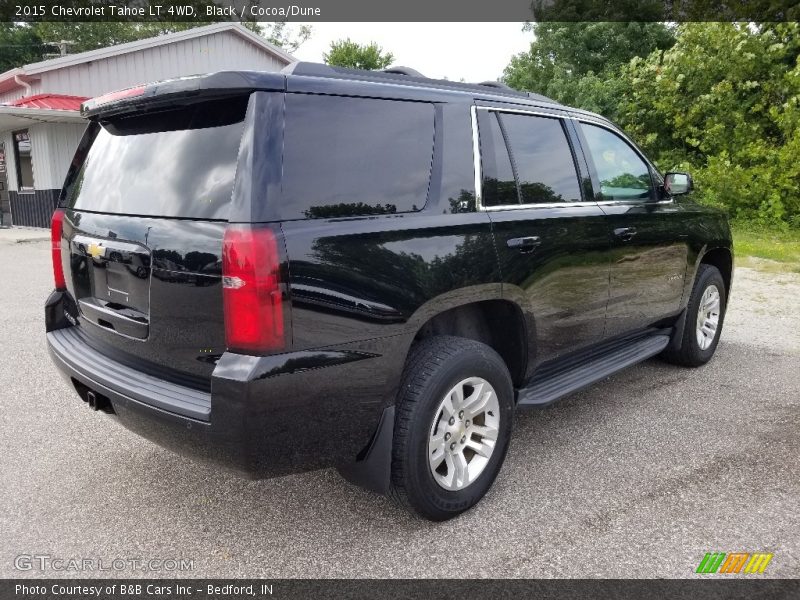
15 117
10 79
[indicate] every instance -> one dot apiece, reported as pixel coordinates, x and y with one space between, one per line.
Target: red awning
50 101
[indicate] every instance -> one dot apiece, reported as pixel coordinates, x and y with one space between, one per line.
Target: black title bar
398 11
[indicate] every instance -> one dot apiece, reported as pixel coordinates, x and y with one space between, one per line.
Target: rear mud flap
373 470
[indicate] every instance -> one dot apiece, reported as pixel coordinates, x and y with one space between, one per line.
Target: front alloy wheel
708 317
706 306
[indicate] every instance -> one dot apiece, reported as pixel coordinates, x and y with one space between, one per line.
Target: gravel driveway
637 476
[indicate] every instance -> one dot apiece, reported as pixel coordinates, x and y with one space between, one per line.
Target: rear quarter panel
368 283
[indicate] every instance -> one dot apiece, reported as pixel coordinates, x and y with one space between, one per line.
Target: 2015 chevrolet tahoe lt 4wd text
370 270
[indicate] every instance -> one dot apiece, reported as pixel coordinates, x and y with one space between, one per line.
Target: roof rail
542 97
308 68
497 85
398 70
405 75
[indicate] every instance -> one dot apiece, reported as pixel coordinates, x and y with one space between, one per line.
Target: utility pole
63 47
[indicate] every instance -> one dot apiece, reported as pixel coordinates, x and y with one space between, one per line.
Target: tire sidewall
434 498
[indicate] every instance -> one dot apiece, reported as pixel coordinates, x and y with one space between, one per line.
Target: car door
551 238
649 244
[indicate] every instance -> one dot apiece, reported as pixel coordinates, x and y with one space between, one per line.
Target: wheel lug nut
447 436
452 421
467 423
463 439
453 446
461 415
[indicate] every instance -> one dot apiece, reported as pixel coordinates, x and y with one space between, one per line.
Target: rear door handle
625 233
524 244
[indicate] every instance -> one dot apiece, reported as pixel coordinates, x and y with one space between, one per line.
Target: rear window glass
355 156
499 185
176 163
545 168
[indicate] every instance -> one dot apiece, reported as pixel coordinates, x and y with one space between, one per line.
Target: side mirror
677 183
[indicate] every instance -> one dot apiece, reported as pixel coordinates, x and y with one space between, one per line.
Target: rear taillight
56 229
251 289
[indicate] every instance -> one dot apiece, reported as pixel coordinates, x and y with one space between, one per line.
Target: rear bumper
264 417
70 348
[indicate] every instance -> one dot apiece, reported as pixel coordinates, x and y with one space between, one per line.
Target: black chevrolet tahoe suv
321 267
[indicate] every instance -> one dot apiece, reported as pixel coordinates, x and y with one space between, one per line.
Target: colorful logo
734 562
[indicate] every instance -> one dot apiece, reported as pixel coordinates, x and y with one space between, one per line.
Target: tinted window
499 187
543 159
456 181
136 167
623 174
354 156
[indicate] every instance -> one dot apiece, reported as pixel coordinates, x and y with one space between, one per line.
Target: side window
623 174
355 156
539 167
541 154
499 186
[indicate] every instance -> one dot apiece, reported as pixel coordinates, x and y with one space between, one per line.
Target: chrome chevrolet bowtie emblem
94 250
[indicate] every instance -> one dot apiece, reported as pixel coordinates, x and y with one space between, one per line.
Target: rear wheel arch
500 324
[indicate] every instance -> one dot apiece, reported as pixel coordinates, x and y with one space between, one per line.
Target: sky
472 51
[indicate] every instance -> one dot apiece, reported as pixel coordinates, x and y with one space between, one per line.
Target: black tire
434 366
689 353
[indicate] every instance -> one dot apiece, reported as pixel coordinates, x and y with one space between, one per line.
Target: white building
40 124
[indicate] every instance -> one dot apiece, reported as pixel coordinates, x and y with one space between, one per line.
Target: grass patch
773 245
765 265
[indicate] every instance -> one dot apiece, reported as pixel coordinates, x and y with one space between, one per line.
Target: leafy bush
723 102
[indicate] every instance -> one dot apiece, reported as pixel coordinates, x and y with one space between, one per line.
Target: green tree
721 100
281 35
19 45
563 55
90 36
724 102
346 53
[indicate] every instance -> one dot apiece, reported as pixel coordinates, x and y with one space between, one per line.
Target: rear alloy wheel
704 316
464 433
453 421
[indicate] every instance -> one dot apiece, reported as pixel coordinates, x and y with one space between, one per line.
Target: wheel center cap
459 431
